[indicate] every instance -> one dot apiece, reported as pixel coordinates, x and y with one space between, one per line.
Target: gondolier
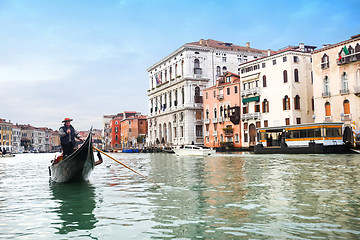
67 135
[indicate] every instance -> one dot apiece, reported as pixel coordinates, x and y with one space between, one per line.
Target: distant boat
77 166
7 155
193 150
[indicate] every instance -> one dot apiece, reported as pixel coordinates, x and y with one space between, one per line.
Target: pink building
222 104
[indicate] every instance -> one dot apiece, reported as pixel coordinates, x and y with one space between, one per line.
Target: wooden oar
124 165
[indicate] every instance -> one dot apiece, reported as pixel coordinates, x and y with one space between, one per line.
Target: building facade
276 90
222 104
133 131
6 135
337 80
176 84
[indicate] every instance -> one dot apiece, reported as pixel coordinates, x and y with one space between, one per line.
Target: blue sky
86 58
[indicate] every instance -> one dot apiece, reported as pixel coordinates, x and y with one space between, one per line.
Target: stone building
337 85
176 85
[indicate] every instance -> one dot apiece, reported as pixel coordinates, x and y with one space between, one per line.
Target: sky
87 58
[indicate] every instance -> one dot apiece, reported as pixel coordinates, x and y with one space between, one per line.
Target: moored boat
301 139
75 167
193 150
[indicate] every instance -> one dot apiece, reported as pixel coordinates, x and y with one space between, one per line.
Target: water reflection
201 195
76 205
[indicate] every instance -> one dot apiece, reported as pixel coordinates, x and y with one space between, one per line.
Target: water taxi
193 150
302 138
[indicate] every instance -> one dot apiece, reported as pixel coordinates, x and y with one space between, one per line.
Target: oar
124 165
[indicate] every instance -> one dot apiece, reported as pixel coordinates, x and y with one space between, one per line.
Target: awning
251 99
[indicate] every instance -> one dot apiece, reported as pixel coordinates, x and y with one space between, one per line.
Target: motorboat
193 150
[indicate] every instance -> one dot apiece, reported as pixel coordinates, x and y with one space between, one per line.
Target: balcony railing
326 94
228 132
207 134
198 99
251 91
344 91
328 119
353 57
346 117
214 120
206 121
220 96
248 116
214 133
325 65
220 119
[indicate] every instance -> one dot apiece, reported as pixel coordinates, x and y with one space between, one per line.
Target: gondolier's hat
67 120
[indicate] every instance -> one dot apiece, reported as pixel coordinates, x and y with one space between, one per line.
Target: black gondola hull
76 167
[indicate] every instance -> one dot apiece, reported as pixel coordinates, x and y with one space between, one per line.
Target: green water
228 196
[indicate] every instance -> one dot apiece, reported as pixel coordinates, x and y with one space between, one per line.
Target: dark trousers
67 149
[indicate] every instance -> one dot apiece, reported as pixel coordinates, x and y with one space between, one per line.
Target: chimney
248 44
269 52
302 47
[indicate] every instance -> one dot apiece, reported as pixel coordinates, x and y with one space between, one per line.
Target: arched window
224 70
225 112
344 83
357 78
265 106
182 68
285 76
228 110
170 70
297 102
215 113
221 111
176 68
218 71
286 103
183 95
325 61
264 81
326 86
346 106
296 75
207 114
327 109
197 69
197 91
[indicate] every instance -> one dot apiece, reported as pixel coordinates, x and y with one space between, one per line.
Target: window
215 113
224 70
326 86
327 109
274 62
263 65
228 79
224 59
221 111
218 71
228 91
258 124
245 109
197 91
287 121
236 138
297 102
266 123
285 76
197 69
257 108
346 107
207 114
296 75
235 89
284 59
116 129
207 95
325 61
296 59
214 93
298 120
183 95
344 83
264 81
286 103
265 106
199 130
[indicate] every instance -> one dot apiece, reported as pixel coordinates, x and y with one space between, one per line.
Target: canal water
226 196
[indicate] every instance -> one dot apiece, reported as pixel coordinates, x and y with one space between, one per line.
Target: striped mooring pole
353 126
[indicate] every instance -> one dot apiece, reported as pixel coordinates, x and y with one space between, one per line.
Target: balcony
249 116
345 117
198 99
207 134
344 91
325 65
251 91
220 96
206 121
326 94
220 119
353 57
228 132
214 133
214 120
328 119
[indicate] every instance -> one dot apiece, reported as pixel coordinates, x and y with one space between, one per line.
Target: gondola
75 167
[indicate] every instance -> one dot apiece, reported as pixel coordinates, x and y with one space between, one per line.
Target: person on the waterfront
67 135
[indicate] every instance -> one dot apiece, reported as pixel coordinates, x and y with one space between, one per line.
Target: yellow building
336 76
6 135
